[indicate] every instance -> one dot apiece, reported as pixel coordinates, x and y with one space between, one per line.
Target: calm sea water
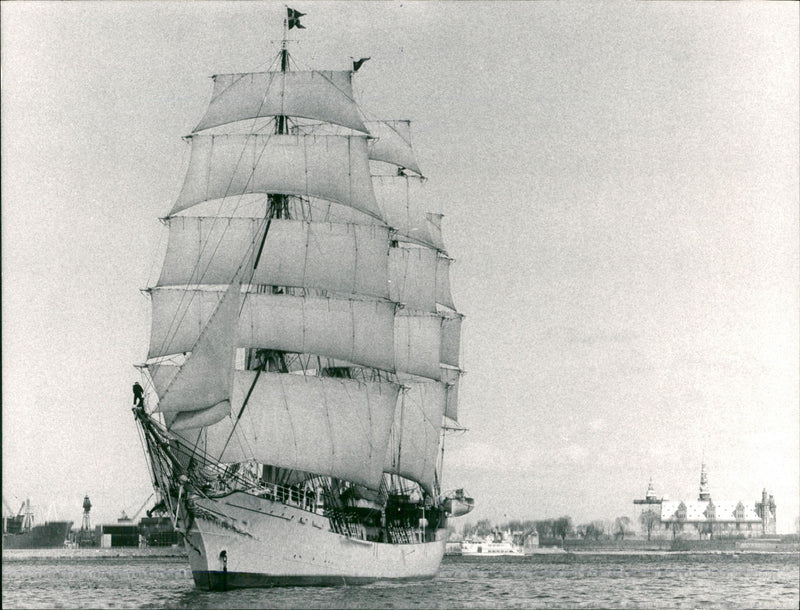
543 581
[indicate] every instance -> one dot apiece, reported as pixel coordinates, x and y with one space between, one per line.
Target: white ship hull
268 543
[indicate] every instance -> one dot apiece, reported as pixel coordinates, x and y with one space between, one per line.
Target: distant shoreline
94 553
180 553
635 545
789 545
631 552
690 552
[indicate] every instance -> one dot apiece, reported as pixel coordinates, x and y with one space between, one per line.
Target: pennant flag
294 18
357 64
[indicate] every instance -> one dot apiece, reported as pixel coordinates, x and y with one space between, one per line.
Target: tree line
561 527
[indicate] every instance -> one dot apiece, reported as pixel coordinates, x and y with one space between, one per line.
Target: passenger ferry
495 545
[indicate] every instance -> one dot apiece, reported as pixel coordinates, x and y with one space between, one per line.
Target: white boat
303 360
494 545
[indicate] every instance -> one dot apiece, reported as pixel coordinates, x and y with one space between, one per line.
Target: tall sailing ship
303 363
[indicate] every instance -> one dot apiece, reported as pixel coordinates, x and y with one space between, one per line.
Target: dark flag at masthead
294 18
357 64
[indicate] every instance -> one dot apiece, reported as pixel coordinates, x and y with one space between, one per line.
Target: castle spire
705 495
651 493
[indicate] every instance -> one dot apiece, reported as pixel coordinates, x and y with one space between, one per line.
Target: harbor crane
125 516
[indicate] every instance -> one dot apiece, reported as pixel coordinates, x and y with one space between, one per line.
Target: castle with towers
658 518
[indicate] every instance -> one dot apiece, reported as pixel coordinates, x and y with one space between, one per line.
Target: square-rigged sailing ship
304 343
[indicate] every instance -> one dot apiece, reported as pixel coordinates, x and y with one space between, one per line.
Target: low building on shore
657 517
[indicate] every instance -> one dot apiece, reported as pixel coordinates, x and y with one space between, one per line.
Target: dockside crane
125 516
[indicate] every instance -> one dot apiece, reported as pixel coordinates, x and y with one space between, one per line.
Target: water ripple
572 580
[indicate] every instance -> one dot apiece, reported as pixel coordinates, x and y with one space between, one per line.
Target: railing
290 496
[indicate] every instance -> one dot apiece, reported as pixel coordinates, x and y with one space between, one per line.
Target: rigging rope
244 404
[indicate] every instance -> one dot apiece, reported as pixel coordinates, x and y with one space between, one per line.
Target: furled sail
336 427
364 332
404 208
330 167
344 258
204 380
321 95
414 447
392 144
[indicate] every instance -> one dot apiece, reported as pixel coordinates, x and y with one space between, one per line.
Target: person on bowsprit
138 395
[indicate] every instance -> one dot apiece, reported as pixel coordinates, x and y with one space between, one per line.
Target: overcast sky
620 184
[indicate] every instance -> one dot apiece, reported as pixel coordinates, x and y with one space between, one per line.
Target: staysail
204 380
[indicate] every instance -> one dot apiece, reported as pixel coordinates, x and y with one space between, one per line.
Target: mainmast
277 207
280 125
278 204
